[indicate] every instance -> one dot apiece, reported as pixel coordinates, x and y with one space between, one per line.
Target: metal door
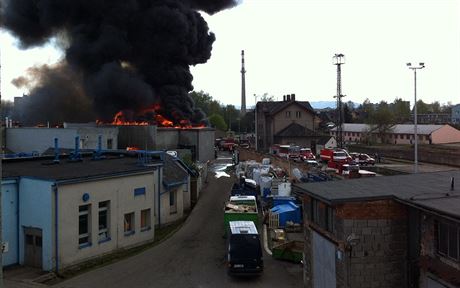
323 262
33 247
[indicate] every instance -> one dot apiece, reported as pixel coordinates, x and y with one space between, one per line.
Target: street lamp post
415 68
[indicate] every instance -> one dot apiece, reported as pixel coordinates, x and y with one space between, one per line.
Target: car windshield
339 154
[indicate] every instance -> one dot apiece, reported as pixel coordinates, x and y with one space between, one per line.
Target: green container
290 251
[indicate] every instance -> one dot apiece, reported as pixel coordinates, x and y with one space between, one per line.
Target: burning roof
120 55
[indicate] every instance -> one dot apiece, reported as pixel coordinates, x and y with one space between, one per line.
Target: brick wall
379 258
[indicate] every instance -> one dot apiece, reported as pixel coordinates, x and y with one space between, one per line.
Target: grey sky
289 46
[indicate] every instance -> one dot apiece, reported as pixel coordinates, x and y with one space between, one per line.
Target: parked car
364 159
306 154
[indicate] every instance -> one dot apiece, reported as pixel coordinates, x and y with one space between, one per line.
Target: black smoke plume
119 54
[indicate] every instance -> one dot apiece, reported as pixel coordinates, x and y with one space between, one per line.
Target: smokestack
243 85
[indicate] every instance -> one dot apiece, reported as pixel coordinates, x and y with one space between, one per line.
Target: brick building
396 231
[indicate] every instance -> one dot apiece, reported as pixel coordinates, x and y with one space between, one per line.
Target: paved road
193 257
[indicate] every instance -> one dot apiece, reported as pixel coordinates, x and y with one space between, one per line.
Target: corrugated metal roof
428 190
243 227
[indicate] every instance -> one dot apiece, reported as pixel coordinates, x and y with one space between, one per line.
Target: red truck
335 155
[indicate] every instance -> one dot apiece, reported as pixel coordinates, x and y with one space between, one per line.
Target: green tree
422 107
400 110
382 120
217 121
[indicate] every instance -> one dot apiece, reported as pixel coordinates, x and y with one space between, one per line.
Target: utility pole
1 178
255 119
338 60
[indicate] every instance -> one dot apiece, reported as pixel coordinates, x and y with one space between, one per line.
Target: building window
109 143
145 220
298 114
104 216
172 202
288 114
84 216
448 240
407 136
129 223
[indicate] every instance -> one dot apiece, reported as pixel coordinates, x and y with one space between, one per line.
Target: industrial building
200 141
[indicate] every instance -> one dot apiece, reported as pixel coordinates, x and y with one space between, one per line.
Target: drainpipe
159 197
56 234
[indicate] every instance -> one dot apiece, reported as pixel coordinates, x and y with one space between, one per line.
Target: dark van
244 251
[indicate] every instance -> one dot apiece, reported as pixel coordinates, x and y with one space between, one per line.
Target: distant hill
322 104
326 104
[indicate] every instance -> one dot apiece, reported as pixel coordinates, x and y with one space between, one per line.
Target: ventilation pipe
98 153
76 156
56 151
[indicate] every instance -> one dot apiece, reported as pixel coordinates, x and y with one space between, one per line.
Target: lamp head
409 64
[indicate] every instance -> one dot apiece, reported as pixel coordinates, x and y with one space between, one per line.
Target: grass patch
161 234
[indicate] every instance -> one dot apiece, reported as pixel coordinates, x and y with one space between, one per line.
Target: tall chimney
293 97
243 86
284 98
288 97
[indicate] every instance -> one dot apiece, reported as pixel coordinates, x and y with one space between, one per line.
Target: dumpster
290 251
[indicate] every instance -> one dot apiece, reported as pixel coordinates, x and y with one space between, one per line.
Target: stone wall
379 258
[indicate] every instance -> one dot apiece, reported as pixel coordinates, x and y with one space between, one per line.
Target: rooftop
44 168
430 191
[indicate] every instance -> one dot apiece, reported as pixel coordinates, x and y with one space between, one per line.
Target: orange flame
158 119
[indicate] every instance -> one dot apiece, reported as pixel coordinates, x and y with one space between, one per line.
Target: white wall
120 192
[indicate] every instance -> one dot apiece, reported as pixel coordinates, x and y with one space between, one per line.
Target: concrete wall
89 137
167 138
167 214
203 141
10 217
19 139
120 192
142 137
36 210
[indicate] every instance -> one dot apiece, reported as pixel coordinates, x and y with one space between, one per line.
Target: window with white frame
129 223
104 218
84 216
448 240
145 220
